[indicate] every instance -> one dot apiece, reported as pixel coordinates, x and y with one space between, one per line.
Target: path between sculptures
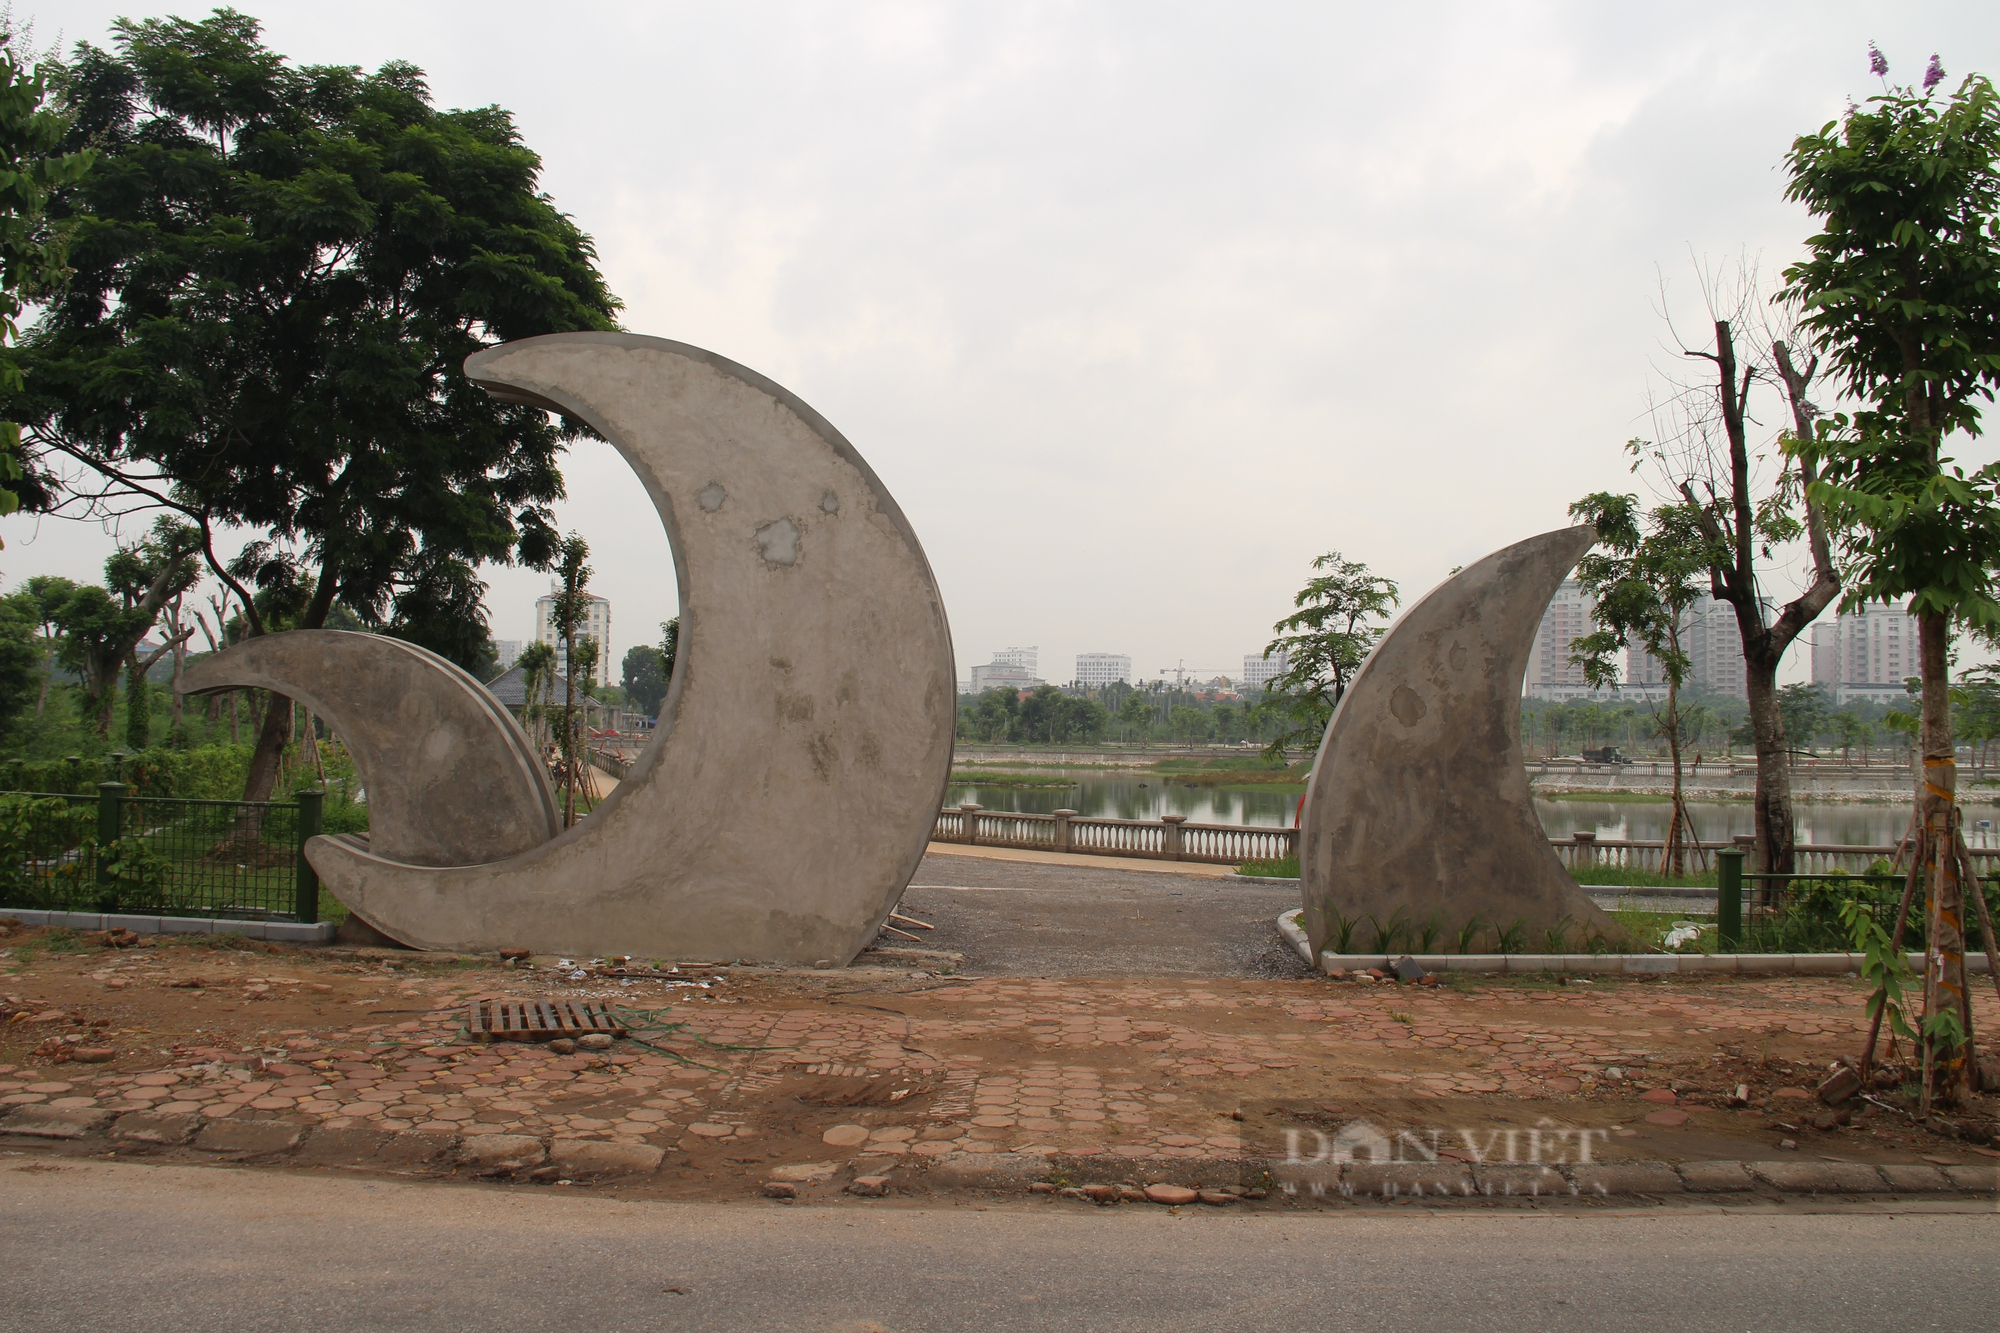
900 1066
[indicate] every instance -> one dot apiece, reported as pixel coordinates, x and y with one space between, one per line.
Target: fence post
1173 823
1062 829
1729 898
968 820
305 906
1586 847
107 827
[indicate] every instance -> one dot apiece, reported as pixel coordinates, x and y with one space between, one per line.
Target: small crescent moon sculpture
451 779
1418 808
806 737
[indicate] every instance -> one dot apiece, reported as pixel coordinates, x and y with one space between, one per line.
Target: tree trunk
138 708
180 663
1775 836
272 738
1937 798
1675 849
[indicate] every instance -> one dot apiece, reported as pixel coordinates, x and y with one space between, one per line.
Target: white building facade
1259 670
1867 654
1097 669
1000 676
595 625
1021 659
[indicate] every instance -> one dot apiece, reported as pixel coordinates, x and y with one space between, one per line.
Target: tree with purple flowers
1900 289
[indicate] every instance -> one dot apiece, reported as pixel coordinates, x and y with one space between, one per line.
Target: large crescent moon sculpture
805 741
1418 809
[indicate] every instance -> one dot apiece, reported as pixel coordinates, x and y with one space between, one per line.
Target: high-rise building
1642 668
1551 675
1259 670
1867 654
1102 668
596 624
506 652
1714 644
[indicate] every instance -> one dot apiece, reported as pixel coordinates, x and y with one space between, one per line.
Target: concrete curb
1412 1180
1627 964
284 932
1266 879
138 1132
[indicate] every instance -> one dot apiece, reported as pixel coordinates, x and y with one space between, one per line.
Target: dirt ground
743 1074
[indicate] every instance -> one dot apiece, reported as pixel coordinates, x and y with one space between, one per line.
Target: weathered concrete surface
451 778
806 736
1418 807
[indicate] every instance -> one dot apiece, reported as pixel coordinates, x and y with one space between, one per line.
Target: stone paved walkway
733 1069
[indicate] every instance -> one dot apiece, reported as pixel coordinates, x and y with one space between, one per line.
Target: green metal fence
1768 895
115 852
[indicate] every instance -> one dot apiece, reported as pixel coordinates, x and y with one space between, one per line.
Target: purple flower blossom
1878 64
1935 74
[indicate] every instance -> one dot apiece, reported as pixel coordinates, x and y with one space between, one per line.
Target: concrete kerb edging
506 1155
284 932
1627 964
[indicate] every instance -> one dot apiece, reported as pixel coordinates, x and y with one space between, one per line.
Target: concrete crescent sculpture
450 778
1418 809
806 737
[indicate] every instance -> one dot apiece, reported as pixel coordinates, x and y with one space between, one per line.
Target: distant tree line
1149 713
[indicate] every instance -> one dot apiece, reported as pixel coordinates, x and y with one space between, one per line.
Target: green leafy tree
569 611
538 671
670 652
1189 724
992 717
643 675
1052 716
21 665
102 626
279 272
1975 704
1653 569
1850 730
1901 288
32 249
46 594
1136 713
1806 712
1324 643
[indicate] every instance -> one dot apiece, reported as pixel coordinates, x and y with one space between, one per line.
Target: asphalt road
1018 918
94 1246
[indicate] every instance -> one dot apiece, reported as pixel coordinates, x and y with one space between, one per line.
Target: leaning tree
279 272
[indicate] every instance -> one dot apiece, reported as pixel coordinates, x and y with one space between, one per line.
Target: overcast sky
1137 308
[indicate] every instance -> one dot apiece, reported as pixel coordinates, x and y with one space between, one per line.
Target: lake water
1152 795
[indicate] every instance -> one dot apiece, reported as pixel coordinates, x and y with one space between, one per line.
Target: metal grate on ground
538 1020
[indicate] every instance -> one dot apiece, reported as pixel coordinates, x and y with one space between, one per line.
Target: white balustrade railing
1169 838
1580 851
1172 838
